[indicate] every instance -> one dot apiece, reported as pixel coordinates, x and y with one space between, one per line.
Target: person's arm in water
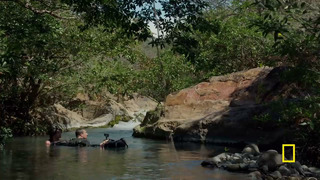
48 142
54 136
104 142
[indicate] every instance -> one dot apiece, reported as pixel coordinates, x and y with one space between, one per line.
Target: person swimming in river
54 136
80 140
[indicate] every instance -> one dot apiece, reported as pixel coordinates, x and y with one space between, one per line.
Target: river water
30 158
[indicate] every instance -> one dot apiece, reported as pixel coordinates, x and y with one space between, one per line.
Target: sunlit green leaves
5 133
164 75
296 21
234 45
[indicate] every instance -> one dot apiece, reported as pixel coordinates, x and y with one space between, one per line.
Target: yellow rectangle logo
294 153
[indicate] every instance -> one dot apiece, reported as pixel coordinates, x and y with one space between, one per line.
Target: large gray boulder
256 175
284 170
270 159
251 149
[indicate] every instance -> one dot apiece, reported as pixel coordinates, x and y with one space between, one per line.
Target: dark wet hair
55 134
79 132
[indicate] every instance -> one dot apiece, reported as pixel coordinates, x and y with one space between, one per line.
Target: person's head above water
55 134
81 133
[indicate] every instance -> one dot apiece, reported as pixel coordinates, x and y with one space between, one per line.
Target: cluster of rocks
266 165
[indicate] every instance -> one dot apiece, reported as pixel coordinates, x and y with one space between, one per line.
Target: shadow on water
29 158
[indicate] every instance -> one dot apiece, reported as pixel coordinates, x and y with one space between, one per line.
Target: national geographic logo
286 147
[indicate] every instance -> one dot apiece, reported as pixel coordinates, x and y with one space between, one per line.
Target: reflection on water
30 158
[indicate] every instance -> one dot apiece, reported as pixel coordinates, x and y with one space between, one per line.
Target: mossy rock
153 116
139 131
119 118
150 132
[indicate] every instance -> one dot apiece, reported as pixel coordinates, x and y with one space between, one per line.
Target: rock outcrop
222 110
83 112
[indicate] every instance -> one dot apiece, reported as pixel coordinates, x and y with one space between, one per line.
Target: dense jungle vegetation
50 50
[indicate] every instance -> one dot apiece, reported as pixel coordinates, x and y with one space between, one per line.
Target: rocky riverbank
219 111
265 165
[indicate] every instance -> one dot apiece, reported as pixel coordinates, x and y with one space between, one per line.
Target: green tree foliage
236 46
32 48
49 50
294 25
225 42
103 61
174 69
40 51
5 133
133 16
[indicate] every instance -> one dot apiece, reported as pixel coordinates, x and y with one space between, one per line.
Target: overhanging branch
29 6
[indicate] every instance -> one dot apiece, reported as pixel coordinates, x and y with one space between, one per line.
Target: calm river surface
30 158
